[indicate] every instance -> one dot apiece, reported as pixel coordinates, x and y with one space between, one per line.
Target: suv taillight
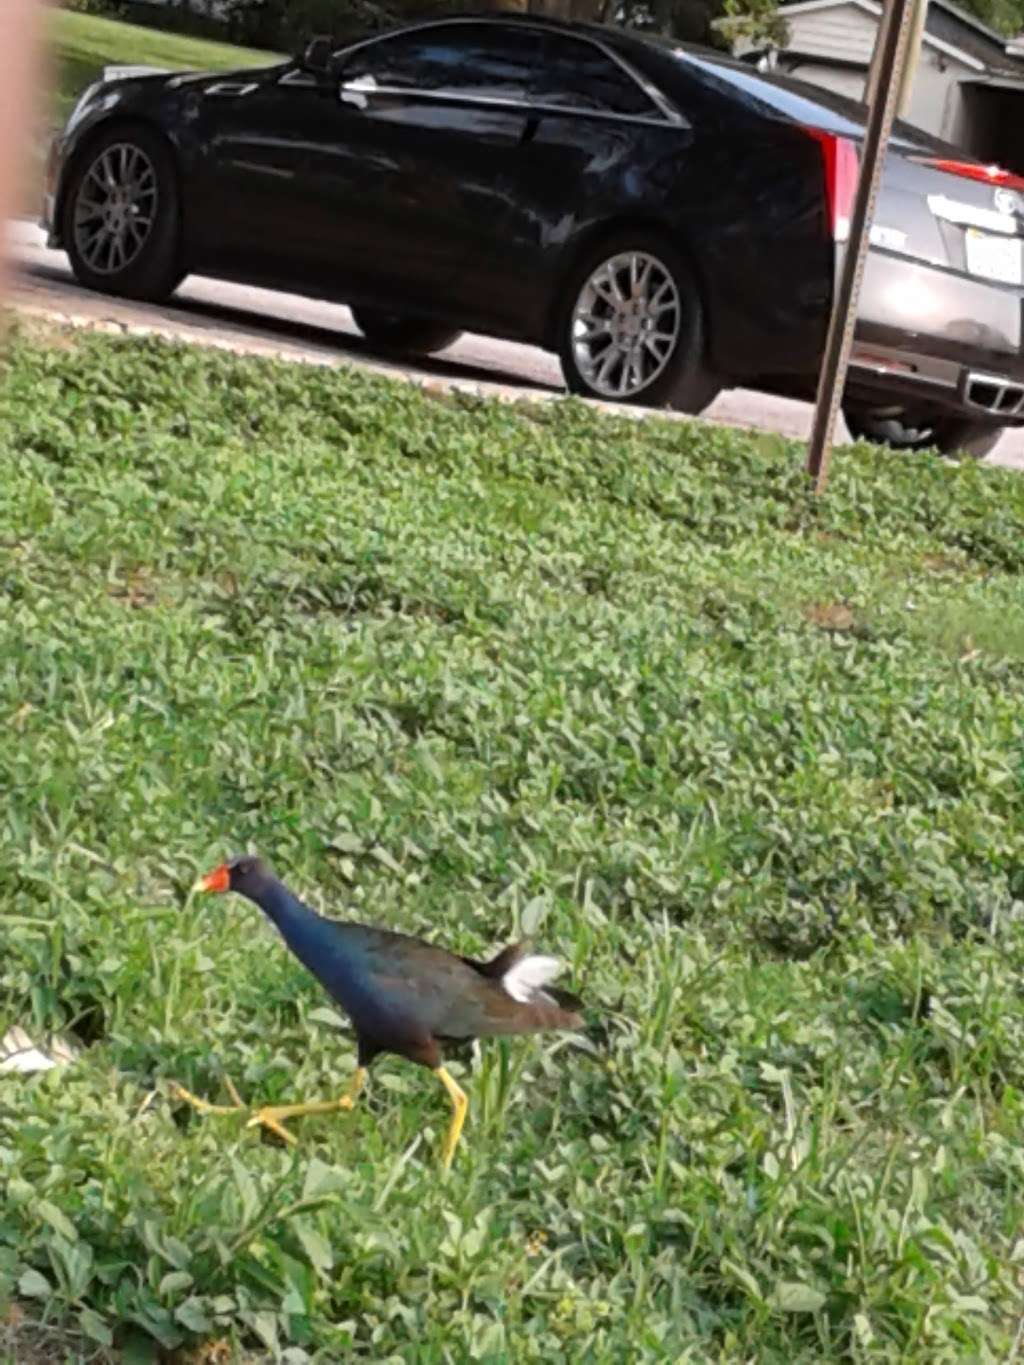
842 167
971 170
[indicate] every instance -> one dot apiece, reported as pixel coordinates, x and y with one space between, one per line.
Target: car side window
578 75
486 61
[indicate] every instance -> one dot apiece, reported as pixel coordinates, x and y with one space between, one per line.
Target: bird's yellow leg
273 1116
355 1088
179 1092
459 1106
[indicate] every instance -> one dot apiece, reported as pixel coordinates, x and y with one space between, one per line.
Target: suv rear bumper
947 340
886 372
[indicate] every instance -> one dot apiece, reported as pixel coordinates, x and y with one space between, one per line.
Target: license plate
995 258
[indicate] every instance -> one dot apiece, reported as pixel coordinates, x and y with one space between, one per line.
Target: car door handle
357 92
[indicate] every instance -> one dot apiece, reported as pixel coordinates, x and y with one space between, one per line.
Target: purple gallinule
402 995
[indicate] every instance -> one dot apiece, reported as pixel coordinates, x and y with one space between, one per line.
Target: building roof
965 16
948 28
967 32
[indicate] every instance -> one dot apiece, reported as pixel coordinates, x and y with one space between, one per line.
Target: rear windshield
797 101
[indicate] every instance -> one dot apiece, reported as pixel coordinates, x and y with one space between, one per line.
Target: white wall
935 101
843 80
842 33
847 34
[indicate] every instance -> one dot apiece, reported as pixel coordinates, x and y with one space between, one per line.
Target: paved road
260 322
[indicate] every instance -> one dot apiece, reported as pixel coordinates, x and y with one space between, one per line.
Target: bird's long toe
271 1120
272 1117
178 1092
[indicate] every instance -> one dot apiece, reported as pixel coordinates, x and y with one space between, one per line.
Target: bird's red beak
217 880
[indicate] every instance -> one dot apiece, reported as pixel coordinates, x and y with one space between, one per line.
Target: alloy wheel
626 323
115 208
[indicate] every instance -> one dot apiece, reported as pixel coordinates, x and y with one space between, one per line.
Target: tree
759 23
1005 16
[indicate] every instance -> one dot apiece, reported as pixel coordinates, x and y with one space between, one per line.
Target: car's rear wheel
414 336
121 216
904 431
632 327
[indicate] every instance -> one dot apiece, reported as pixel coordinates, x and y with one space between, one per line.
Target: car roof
770 93
775 92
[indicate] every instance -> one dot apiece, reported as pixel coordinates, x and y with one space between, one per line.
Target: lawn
81 45
752 765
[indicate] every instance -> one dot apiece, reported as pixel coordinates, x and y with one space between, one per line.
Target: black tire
155 270
684 381
957 436
410 336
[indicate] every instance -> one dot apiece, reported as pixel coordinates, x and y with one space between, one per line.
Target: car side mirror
318 58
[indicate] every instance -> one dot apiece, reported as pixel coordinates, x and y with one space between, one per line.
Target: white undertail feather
525 980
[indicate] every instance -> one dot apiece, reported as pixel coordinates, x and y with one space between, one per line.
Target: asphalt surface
261 322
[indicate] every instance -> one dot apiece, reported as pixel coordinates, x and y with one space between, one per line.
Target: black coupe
667 220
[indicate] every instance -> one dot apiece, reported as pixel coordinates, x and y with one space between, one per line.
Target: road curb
24 234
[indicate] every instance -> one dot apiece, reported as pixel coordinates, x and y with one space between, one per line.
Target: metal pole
918 19
891 51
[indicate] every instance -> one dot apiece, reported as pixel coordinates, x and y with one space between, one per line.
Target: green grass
81 45
752 765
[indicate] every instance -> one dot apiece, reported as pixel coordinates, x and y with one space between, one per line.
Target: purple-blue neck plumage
277 902
323 946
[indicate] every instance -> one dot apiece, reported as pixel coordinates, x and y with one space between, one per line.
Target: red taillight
970 170
842 167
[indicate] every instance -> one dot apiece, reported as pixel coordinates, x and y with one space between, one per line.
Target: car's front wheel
413 336
957 436
631 328
121 216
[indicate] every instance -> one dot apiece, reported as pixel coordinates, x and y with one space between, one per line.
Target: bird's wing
453 998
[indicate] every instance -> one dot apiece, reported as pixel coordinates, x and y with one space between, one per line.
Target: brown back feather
499 965
562 1010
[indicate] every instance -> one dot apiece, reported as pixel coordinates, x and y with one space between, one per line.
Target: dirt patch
836 616
134 590
24 1342
943 564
